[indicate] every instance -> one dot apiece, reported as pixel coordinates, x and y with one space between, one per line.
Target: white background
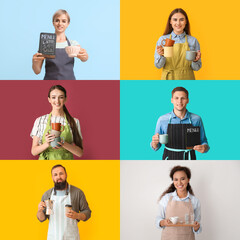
215 184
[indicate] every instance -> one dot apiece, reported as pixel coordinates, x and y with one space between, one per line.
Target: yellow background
213 23
24 182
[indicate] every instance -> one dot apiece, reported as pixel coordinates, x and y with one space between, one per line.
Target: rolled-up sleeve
159 61
160 216
84 208
203 137
196 47
197 216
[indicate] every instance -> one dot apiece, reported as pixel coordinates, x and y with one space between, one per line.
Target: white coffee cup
163 138
168 51
174 220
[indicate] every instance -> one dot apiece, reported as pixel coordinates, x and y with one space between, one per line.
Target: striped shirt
41 123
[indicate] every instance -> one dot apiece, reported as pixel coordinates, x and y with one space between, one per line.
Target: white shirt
164 202
41 123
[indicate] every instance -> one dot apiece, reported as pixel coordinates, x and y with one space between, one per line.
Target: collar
187 115
178 36
174 194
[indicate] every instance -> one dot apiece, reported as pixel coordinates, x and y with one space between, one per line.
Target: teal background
143 102
94 24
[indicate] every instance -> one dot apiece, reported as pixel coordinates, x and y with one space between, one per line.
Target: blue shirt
164 202
192 43
162 125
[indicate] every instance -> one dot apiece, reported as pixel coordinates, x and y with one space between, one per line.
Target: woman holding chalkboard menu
60 67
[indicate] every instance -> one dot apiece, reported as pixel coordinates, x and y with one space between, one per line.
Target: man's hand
41 206
201 148
74 215
155 140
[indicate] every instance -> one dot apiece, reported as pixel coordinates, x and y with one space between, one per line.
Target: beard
60 185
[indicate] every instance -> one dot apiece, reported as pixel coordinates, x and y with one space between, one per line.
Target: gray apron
60 67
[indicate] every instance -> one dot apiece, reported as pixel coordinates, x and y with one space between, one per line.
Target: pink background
95 103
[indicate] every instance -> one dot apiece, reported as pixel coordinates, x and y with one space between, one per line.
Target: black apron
60 67
177 142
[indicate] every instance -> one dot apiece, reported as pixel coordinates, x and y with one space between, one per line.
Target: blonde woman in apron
61 67
71 139
177 67
178 201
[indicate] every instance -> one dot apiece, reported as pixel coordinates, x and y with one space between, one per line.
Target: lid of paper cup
67 205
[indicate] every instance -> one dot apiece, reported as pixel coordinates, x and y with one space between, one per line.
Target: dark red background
95 103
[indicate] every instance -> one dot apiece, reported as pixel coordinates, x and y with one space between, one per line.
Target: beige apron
178 67
178 208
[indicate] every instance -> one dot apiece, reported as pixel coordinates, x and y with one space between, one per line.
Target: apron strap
170 118
68 42
186 151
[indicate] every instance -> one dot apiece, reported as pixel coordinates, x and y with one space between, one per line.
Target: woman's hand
165 223
198 56
49 138
155 140
201 148
59 143
196 226
36 148
82 55
38 57
160 50
37 62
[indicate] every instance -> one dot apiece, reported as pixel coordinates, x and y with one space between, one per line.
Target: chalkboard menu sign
192 137
47 44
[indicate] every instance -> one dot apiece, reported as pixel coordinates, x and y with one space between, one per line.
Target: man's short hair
58 165
180 89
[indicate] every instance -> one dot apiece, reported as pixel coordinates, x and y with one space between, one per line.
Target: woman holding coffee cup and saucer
178 204
175 65
60 67
71 139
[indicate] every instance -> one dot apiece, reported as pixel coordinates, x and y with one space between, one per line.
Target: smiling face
57 99
178 22
179 101
180 181
60 23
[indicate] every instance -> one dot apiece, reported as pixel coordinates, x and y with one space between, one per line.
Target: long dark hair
172 188
76 136
169 28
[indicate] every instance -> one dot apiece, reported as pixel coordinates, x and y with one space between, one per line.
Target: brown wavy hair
172 188
169 28
76 136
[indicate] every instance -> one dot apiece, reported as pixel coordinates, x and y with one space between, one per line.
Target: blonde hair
60 12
